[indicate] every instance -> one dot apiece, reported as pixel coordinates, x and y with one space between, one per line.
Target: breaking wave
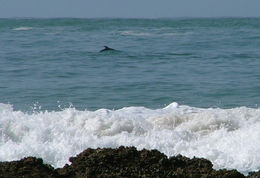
230 138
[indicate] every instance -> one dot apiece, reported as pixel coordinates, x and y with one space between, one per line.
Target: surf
227 137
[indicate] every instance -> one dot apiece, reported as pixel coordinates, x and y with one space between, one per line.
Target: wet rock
128 162
254 175
120 162
27 167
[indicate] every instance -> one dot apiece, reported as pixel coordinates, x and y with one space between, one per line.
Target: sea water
182 86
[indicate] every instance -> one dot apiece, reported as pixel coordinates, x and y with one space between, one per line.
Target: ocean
187 86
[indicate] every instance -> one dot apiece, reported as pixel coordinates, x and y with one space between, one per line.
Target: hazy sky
129 8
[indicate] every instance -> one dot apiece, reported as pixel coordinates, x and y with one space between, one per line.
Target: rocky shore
120 162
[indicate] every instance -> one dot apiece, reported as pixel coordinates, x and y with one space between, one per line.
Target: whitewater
229 138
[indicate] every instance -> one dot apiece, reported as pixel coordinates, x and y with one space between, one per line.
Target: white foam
156 33
22 28
132 33
230 138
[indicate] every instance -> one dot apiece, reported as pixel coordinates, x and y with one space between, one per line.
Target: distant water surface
196 62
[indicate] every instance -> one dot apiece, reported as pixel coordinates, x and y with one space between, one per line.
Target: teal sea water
182 86
196 62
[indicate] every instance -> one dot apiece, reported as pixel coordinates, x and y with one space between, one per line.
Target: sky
129 8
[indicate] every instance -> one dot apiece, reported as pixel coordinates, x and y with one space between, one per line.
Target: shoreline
119 162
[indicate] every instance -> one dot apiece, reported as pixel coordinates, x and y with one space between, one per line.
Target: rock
120 162
128 162
27 167
254 174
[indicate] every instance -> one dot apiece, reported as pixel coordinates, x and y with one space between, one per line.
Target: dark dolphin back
107 49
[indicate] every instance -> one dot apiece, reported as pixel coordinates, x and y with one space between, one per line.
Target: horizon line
148 18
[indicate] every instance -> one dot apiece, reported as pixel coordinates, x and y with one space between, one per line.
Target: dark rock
120 162
254 174
128 162
27 167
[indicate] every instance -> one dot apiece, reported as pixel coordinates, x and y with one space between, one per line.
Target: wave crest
22 28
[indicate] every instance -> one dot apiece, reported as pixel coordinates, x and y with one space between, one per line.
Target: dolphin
106 49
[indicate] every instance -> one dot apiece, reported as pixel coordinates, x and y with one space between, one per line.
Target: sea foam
154 33
22 28
230 138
